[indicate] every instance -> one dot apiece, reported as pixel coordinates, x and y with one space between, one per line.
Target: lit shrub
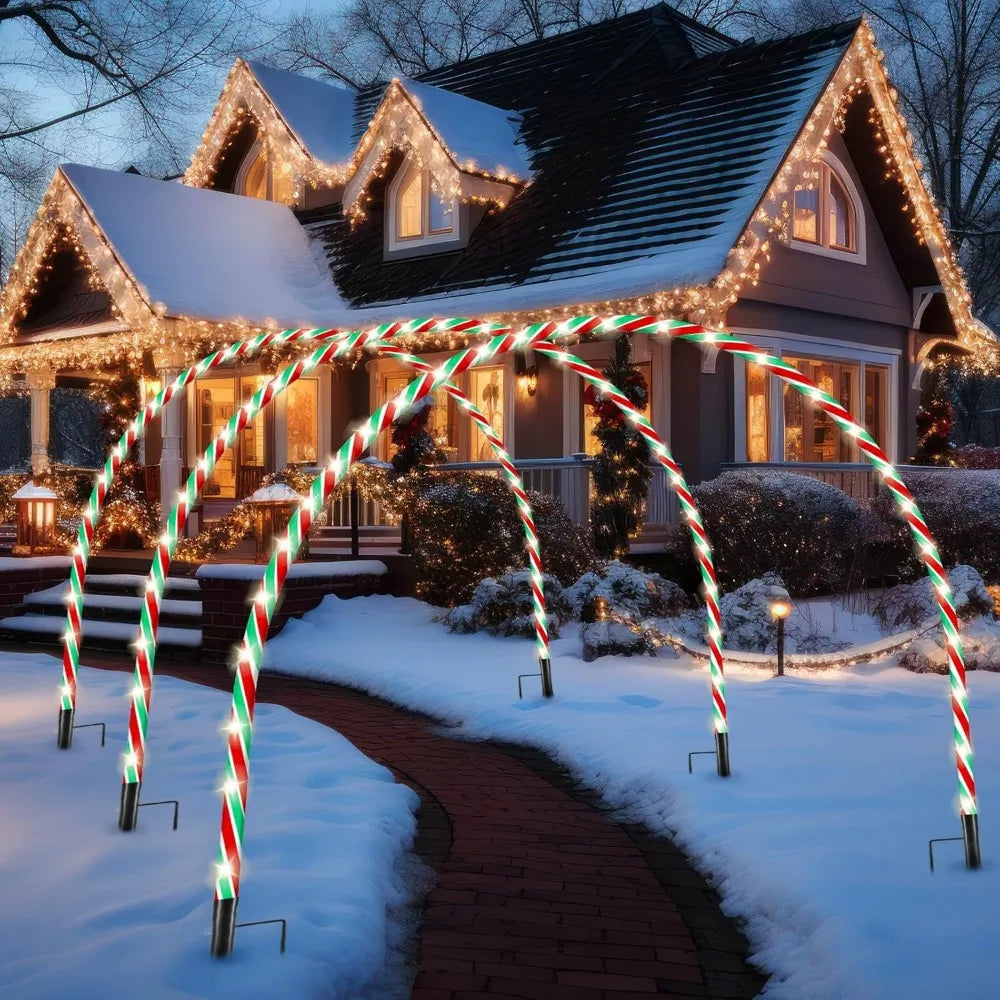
466 528
762 522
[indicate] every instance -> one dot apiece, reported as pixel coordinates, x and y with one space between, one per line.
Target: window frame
428 239
831 167
259 151
787 343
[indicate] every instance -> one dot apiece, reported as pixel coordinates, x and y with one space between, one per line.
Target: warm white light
780 609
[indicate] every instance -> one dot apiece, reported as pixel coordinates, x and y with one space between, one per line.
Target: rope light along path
141 695
91 513
240 727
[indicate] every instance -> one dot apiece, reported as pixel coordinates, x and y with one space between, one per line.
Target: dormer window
827 214
420 212
257 178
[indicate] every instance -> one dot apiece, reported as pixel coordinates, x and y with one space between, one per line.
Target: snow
480 136
113 602
34 562
96 629
29 491
86 909
306 570
139 582
320 114
819 840
209 254
276 493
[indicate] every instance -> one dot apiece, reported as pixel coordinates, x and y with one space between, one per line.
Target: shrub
974 456
466 528
962 510
629 591
776 522
505 607
746 613
909 604
981 645
608 638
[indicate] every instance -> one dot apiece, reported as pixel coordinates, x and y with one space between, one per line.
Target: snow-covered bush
466 528
909 604
609 638
764 521
504 607
962 509
746 613
980 643
627 590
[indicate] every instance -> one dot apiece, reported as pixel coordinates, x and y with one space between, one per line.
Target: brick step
112 607
178 588
108 636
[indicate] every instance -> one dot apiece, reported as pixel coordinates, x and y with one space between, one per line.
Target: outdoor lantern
273 507
780 610
150 389
527 376
36 520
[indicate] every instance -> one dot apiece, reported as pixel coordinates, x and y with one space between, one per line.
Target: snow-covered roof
208 254
480 136
320 114
29 491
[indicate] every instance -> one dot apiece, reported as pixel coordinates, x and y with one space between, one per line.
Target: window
877 404
302 420
442 424
257 179
810 433
826 213
488 395
422 212
758 415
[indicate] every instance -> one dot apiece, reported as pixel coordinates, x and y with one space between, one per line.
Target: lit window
823 212
409 223
442 425
810 432
255 179
488 395
877 403
591 444
439 210
303 411
758 430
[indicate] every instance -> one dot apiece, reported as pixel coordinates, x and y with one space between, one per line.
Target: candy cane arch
134 758
91 514
927 552
240 727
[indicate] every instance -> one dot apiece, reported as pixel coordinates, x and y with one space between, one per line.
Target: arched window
257 178
422 212
827 216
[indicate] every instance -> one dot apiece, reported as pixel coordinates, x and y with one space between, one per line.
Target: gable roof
645 173
207 254
320 114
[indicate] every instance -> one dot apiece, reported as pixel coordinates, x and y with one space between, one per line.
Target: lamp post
780 610
273 508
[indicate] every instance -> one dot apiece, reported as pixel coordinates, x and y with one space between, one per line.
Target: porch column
171 457
40 384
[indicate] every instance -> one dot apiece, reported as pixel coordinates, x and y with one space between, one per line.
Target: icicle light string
240 726
134 760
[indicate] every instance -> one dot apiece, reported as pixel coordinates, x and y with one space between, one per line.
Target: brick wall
20 577
226 602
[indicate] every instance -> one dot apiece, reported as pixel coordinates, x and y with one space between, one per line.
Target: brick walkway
540 895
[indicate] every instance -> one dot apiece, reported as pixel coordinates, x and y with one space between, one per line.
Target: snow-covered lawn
819 839
89 913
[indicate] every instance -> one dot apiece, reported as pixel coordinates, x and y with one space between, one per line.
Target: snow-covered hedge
765 521
504 607
962 509
980 644
627 590
609 638
746 613
465 529
909 604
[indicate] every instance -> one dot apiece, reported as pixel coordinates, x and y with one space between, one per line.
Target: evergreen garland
415 450
621 469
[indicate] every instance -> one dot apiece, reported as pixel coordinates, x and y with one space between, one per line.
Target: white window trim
239 185
782 343
396 244
386 366
860 254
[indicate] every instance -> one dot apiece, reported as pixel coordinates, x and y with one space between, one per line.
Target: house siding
538 419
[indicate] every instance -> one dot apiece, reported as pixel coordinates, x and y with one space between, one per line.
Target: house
644 164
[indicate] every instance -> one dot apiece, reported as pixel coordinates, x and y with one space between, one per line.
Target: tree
130 71
372 40
621 468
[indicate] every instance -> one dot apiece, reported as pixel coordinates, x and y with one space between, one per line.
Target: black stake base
970 837
128 811
545 669
722 754
223 927
65 737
